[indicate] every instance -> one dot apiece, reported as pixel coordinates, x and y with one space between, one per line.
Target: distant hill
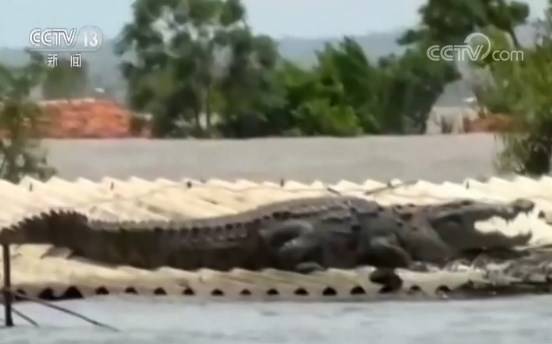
303 50
104 70
13 57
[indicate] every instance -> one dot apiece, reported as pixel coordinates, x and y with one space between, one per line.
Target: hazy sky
300 18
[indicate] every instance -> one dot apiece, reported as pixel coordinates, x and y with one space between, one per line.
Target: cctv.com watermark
477 47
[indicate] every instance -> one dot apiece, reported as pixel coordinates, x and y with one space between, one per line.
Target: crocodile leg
384 252
388 278
278 234
294 254
292 245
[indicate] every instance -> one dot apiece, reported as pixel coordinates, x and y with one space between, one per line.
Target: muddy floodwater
167 320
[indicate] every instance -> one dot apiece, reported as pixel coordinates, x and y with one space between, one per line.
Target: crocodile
294 235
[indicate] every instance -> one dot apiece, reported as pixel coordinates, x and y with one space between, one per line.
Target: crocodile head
470 225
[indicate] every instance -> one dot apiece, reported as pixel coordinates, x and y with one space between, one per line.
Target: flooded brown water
166 320
434 158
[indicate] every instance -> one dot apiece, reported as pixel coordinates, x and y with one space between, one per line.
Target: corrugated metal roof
144 203
40 271
37 270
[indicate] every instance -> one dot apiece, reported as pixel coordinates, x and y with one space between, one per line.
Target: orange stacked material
85 118
495 123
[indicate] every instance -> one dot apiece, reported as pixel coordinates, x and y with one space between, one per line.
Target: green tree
521 89
320 101
250 90
346 94
412 85
319 117
194 59
393 96
451 21
445 22
351 80
20 152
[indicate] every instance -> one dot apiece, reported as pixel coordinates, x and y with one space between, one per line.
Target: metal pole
7 286
64 310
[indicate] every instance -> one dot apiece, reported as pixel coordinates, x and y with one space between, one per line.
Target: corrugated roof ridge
137 200
468 183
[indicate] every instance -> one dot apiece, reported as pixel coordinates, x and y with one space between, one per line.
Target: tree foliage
194 60
451 21
446 22
414 85
522 90
20 152
199 69
516 88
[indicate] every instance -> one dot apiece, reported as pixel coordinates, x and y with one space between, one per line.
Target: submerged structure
247 239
